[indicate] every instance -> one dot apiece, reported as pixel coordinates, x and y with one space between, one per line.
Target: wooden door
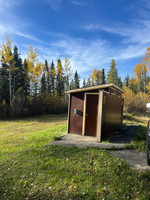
91 115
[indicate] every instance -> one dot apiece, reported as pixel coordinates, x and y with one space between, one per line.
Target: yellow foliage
139 71
59 68
95 74
135 102
67 67
34 66
5 50
148 88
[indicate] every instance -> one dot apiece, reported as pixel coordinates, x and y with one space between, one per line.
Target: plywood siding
112 115
76 120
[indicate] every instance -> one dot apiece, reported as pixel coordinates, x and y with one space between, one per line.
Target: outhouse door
91 114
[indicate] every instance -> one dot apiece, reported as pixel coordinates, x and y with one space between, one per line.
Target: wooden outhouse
95 111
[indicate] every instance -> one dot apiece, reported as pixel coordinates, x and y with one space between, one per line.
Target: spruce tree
76 80
4 76
112 75
89 82
84 83
17 71
103 76
52 78
126 81
60 79
43 83
26 80
72 84
47 78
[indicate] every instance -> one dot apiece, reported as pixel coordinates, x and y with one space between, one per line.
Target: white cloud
55 4
80 2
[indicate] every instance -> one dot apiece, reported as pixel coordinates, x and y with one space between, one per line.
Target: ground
31 170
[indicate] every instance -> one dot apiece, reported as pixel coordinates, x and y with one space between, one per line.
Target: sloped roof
98 87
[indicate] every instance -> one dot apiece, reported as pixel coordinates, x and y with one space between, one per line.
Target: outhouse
95 111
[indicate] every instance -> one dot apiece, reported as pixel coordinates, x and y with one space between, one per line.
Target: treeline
98 77
30 87
137 87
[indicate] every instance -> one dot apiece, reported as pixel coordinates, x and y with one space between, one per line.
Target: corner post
100 112
84 114
69 112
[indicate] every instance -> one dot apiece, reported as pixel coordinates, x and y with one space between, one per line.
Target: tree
60 79
103 76
89 82
43 83
68 72
84 83
47 77
96 77
112 75
76 80
126 81
17 72
52 78
133 85
140 71
35 68
71 84
26 79
6 59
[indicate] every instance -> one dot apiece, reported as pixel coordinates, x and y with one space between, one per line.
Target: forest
29 87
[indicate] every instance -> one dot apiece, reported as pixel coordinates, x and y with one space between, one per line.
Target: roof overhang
99 87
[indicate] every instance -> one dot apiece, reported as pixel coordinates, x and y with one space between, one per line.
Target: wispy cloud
136 32
80 2
55 4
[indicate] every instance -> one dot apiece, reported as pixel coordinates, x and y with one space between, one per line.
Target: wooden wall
112 113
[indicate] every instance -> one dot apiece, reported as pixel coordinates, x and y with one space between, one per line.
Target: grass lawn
139 142
31 170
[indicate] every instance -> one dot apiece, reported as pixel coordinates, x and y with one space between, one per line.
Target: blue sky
89 32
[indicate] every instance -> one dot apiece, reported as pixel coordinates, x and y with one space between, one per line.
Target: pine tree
47 77
112 75
60 79
89 82
43 83
72 85
26 80
126 81
84 83
4 76
52 78
67 73
76 80
17 72
7 57
103 76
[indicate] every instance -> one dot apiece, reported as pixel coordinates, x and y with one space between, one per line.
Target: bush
135 103
4 110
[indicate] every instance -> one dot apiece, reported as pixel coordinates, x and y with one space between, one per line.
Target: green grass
30 170
139 141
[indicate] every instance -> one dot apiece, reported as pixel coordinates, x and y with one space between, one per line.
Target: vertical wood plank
84 114
100 111
69 112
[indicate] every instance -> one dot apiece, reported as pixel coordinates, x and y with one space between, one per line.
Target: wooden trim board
99 120
84 115
69 112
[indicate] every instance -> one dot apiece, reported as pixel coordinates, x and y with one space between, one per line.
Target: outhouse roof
98 87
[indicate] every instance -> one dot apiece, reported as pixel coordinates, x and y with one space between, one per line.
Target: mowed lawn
31 170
